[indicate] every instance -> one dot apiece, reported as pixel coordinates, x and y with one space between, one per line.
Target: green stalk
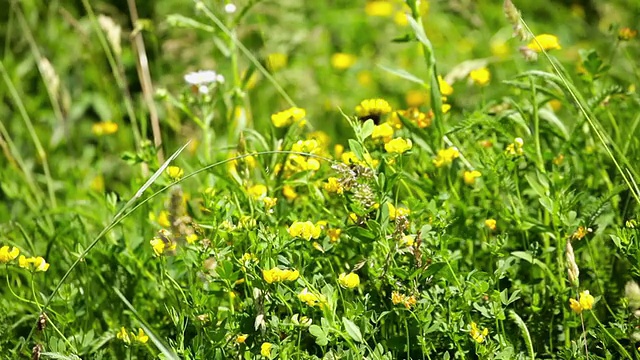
32 132
536 126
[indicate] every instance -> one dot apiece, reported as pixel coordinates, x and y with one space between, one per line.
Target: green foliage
344 184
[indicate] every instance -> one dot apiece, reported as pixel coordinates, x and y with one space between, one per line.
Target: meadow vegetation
332 179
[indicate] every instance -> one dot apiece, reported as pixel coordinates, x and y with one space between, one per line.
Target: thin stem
622 349
32 132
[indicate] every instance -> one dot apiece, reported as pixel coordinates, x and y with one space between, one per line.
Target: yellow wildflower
481 76
288 117
397 298
398 146
333 186
445 87
575 306
269 202
446 156
626 34
257 191
7 255
445 108
141 337
277 61
104 128
499 48
379 8
580 233
191 238
415 98
395 212
158 246
410 301
515 148
471 176
334 234
350 158
265 349
174 172
240 339
547 42
306 230
278 275
400 18
478 335
289 192
33 263
491 224
350 280
163 219
584 302
342 61
373 109
407 240
383 131
309 298
123 335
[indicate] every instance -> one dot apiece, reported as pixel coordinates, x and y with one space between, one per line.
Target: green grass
280 215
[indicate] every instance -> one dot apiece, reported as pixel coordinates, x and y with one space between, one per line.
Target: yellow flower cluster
545 41
481 76
490 224
296 163
276 61
395 212
8 254
104 128
310 298
278 275
350 158
131 337
265 349
383 131
342 61
398 146
33 263
515 148
162 219
333 186
288 117
471 176
242 338
373 109
349 281
174 172
334 234
414 115
407 240
399 298
269 203
257 191
446 156
477 334
305 229
626 34
585 302
163 243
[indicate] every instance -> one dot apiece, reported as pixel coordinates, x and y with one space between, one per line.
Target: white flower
230 8
201 77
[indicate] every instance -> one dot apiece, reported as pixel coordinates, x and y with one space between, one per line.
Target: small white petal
201 77
230 8
203 89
